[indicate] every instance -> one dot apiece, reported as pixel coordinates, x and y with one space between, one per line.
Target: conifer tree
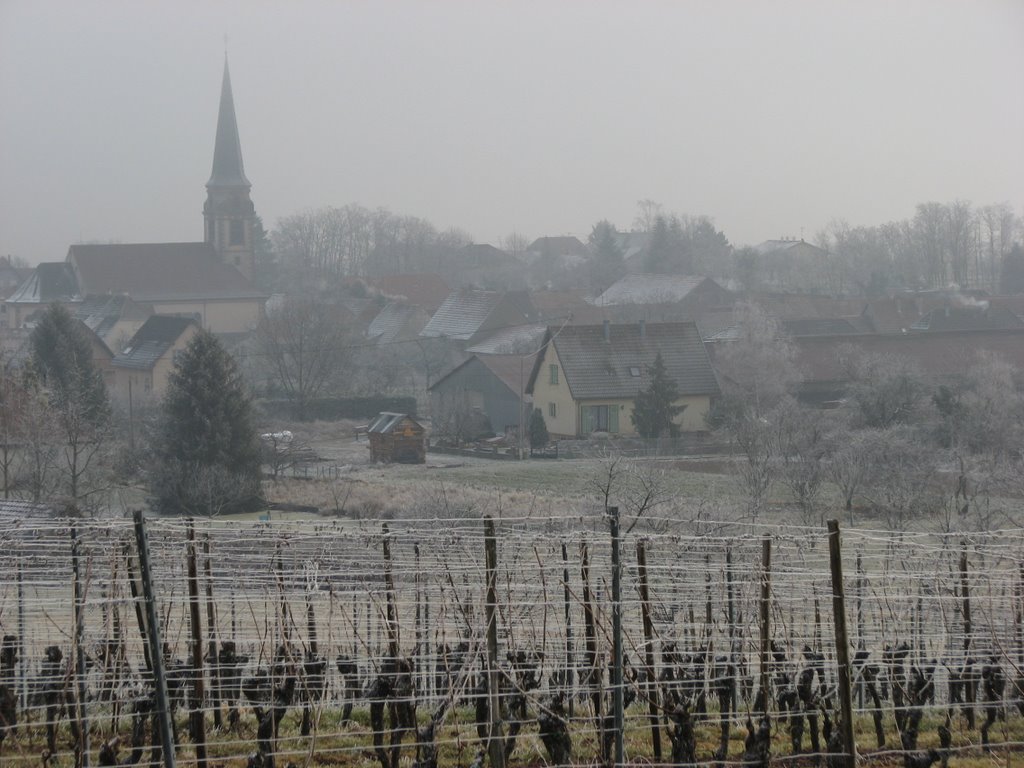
207 452
539 436
654 408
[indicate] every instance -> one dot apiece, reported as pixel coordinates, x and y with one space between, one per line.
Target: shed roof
616 367
387 422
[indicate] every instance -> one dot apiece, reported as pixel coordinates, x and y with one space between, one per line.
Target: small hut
398 438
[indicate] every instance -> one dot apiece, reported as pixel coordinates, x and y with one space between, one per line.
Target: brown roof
421 290
158 271
512 370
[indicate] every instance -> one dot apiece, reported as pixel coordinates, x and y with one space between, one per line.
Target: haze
540 118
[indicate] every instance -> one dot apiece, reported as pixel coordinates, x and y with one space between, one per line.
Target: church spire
229 215
227 151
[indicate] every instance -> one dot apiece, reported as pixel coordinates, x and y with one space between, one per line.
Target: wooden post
652 683
22 642
766 655
495 742
80 670
567 597
595 672
730 591
618 699
196 717
390 616
965 596
211 630
843 669
163 709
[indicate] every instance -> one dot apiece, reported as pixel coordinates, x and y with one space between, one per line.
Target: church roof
49 281
228 170
158 271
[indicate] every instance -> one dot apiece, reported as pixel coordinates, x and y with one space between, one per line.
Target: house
210 279
424 291
396 322
142 368
397 438
791 264
115 319
690 293
586 377
493 385
468 314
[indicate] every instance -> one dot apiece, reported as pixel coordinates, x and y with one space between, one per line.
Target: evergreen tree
539 436
607 264
1012 275
207 452
73 390
654 408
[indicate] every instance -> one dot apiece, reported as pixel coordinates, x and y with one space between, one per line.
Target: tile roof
152 340
462 314
594 367
386 422
974 318
158 271
390 322
558 246
649 289
776 246
101 313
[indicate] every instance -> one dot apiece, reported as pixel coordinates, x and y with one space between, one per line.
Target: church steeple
229 213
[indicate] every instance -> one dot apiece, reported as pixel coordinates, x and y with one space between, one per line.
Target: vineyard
506 642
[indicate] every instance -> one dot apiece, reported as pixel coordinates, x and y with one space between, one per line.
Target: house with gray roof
586 377
142 368
468 315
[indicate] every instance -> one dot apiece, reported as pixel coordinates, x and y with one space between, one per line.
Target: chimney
607 331
643 330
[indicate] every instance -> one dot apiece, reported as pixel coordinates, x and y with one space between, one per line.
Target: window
237 235
553 374
634 371
600 418
552 410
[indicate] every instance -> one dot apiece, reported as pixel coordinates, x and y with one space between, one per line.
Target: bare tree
803 452
636 486
306 342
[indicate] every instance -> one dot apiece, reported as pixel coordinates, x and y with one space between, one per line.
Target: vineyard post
211 628
495 742
860 627
80 671
766 576
730 592
1020 616
835 557
965 595
22 643
567 597
196 717
652 685
153 636
618 715
418 653
594 673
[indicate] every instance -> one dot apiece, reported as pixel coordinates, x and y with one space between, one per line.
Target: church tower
229 213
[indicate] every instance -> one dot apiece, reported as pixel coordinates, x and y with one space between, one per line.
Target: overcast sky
536 117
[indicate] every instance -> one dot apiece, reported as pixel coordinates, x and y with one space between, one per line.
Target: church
119 286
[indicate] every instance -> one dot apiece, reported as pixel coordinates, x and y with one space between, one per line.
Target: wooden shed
397 437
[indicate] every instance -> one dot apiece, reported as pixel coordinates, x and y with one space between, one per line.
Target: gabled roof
650 289
387 422
511 370
50 281
228 170
427 291
611 361
971 318
559 246
465 311
158 271
151 342
777 246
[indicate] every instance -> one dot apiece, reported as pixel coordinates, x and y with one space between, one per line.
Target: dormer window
634 371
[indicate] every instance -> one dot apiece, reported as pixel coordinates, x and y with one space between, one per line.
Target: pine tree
539 436
207 452
654 408
73 391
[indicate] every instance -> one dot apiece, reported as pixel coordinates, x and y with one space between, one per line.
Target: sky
539 118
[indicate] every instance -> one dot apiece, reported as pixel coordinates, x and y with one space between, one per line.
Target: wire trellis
357 643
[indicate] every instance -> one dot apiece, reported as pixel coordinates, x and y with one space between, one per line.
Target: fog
773 118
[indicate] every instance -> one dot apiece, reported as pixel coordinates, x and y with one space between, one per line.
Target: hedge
335 408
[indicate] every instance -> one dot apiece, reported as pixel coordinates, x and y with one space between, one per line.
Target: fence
348 642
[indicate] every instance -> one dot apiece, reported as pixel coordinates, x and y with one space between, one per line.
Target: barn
398 438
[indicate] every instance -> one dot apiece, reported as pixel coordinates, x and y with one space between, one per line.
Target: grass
350 744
